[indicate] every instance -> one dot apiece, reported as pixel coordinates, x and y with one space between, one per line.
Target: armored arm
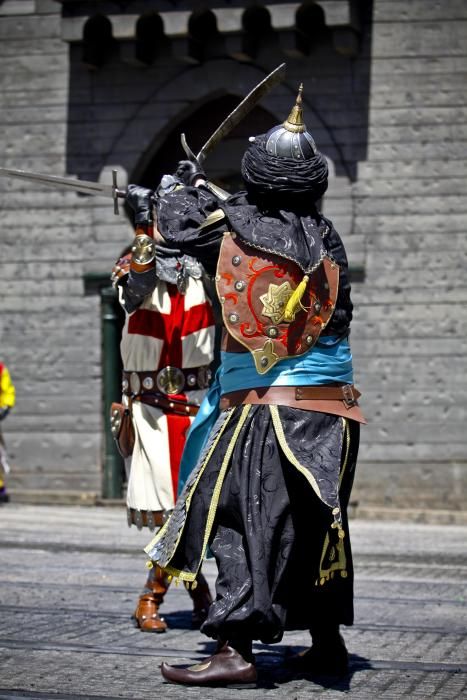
191 219
136 273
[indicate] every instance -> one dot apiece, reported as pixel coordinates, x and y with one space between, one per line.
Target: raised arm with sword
99 189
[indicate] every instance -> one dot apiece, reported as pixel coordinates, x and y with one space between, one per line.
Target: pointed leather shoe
227 668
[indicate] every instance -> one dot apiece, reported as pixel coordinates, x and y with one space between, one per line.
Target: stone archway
222 164
195 102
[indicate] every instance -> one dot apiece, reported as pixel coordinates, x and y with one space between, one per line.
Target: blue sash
327 363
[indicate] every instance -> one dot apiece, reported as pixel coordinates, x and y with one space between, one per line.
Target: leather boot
146 615
202 599
226 668
326 657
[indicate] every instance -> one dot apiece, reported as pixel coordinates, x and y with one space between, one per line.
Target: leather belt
304 397
168 380
169 405
346 393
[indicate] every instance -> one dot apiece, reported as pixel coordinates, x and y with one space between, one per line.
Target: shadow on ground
271 661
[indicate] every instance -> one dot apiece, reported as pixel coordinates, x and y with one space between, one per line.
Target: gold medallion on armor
275 301
170 380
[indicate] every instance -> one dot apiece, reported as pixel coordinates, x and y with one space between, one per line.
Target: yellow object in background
7 389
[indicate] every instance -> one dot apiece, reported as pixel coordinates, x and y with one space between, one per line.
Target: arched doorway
223 164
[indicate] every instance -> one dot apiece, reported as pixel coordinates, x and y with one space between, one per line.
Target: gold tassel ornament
294 304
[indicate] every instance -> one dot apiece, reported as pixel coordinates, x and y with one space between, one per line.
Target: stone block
50 450
411 12
17 7
424 485
422 38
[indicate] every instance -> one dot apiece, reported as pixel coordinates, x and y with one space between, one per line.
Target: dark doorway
223 164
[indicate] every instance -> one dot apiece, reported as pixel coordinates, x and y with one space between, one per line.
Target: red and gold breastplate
268 305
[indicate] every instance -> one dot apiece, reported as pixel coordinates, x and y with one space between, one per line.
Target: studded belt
147 518
169 381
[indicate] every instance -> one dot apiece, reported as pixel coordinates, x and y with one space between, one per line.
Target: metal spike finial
294 121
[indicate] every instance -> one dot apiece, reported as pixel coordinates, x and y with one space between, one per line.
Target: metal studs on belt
240 285
135 383
148 383
204 377
236 260
150 520
272 332
234 318
191 380
115 422
309 340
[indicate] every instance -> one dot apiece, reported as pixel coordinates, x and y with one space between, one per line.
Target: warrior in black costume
272 480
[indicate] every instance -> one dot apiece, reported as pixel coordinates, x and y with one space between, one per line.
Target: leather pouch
121 426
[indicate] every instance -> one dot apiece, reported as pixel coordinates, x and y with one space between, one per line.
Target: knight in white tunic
167 349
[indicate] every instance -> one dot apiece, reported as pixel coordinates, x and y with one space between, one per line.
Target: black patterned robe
269 494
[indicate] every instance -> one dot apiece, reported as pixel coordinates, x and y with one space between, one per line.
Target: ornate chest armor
269 305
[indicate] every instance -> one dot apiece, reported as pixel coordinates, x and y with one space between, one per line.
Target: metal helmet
291 139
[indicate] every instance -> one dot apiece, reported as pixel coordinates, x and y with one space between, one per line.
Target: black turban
265 174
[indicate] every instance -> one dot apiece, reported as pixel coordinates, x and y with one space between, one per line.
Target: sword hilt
116 193
190 155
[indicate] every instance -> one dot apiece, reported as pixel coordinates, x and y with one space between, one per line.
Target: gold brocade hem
178 574
335 555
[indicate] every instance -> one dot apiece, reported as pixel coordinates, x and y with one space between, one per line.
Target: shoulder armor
269 305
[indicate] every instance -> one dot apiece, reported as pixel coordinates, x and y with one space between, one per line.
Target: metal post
111 391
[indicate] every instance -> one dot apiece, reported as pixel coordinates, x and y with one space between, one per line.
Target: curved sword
235 117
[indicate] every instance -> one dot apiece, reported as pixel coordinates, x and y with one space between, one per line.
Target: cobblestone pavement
70 576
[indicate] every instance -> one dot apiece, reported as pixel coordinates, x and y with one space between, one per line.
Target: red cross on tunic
171 328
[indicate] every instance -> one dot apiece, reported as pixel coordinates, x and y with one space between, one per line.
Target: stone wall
410 336
384 102
47 337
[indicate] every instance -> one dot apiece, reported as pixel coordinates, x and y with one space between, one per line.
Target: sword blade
66 183
245 106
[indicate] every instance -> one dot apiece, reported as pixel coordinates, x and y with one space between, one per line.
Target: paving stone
70 578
